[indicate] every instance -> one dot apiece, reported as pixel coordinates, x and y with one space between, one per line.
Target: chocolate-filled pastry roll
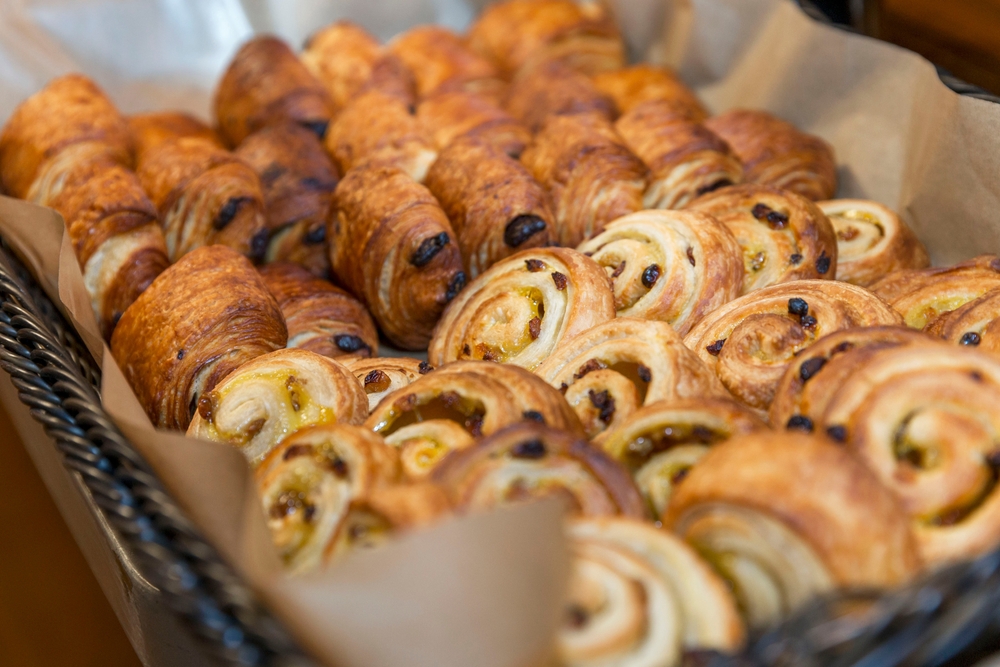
266 84
775 152
495 205
750 341
553 89
149 130
824 522
661 441
297 178
201 319
607 372
309 483
974 324
871 241
516 32
440 58
519 310
70 119
411 264
592 177
320 317
923 295
685 158
450 114
784 236
530 461
341 56
639 595
381 376
632 86
673 266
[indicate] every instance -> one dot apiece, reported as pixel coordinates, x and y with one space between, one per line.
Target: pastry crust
149 130
380 376
450 114
204 317
974 324
551 88
341 56
439 58
632 86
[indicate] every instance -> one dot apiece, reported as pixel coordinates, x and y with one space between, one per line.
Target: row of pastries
744 391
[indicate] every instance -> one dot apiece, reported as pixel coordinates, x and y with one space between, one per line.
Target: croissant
552 88
494 204
320 318
297 180
673 266
150 130
591 175
976 323
450 114
341 56
382 376
629 87
309 482
776 153
871 241
519 310
823 522
410 268
639 595
685 158
439 58
201 319
265 84
530 461
784 236
661 441
750 342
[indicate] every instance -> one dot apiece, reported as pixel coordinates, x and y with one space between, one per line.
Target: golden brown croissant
750 342
297 178
342 56
439 58
552 88
392 246
381 376
776 153
450 114
673 266
201 319
784 236
529 461
149 130
975 324
265 84
871 241
591 175
824 521
632 86
639 595
519 310
495 205
320 318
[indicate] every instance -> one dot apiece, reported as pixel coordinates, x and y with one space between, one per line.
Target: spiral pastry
640 596
440 59
871 241
297 180
308 484
411 267
591 175
776 153
494 204
672 266
784 236
975 324
200 320
320 318
630 87
150 130
450 114
923 295
750 342
531 461
824 522
661 441
552 88
267 84
341 56
519 310
382 376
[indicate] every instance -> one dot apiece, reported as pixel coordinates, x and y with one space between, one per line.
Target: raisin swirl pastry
149 130
341 56
630 87
495 205
661 441
200 320
297 180
320 317
750 342
784 236
592 177
266 84
975 324
775 152
673 266
522 307
411 267
824 522
309 483
440 59
530 461
450 114
381 376
551 88
640 596
871 241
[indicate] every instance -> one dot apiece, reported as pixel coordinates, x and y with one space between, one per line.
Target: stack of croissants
745 392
